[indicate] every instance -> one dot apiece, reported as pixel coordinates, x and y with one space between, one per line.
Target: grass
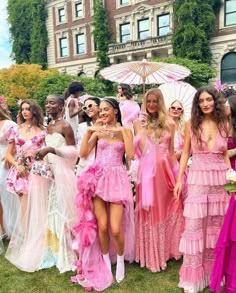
137 280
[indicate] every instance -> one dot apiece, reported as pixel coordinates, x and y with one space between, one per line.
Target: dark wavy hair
232 104
219 115
75 86
35 109
88 119
114 105
126 91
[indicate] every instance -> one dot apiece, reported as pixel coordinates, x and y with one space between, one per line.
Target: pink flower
219 86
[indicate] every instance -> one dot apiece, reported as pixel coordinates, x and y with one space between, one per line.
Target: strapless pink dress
106 178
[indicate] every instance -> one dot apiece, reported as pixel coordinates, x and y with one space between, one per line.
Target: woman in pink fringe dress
207 201
225 251
159 216
105 229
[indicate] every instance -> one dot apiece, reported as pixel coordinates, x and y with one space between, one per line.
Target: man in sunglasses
73 107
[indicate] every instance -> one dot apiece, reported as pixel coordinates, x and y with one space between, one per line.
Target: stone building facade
139 29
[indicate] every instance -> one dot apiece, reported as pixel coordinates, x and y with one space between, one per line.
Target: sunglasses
176 108
84 108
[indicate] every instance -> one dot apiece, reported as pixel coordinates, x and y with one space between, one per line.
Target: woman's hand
177 189
42 153
20 169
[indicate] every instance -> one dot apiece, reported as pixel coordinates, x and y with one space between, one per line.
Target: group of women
178 210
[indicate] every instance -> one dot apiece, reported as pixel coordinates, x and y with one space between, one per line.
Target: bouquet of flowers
231 177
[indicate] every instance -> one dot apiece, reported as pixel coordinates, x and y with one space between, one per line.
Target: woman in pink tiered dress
207 201
225 263
105 202
159 216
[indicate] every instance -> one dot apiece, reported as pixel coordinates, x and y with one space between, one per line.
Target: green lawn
140 280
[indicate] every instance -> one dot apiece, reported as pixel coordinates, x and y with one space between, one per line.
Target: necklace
28 128
53 122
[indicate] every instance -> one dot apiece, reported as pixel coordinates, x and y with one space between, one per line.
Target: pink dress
106 178
26 150
204 210
159 216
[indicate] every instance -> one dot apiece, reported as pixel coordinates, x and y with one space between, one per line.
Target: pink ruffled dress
26 150
106 178
204 210
159 216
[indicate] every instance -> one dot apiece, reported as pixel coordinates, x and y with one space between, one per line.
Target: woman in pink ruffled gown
225 251
105 203
207 201
25 141
159 216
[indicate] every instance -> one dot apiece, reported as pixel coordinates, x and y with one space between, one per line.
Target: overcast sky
5 47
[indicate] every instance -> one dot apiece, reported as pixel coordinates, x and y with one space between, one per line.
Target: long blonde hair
161 115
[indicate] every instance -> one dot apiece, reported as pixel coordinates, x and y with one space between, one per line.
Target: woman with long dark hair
25 141
105 202
205 206
43 237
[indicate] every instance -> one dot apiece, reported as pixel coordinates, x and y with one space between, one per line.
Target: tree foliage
101 34
195 24
20 81
201 73
27 19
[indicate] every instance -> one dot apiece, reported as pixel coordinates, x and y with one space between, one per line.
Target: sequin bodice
110 153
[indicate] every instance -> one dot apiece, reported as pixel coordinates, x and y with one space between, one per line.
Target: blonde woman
159 217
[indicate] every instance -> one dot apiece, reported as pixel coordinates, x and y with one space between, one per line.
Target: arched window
228 68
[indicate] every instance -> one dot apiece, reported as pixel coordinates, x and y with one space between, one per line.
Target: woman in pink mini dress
105 227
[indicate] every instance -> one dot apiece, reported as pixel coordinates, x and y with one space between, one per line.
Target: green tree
39 36
101 34
195 24
27 19
20 20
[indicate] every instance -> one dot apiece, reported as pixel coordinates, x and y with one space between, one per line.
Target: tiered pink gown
159 216
106 178
204 210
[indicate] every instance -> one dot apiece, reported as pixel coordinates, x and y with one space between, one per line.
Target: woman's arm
226 159
88 142
172 134
183 160
10 154
128 141
68 134
232 153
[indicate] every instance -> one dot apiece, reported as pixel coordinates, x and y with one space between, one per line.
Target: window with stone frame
80 43
230 12
79 9
122 2
163 24
143 29
63 43
228 68
124 32
61 15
